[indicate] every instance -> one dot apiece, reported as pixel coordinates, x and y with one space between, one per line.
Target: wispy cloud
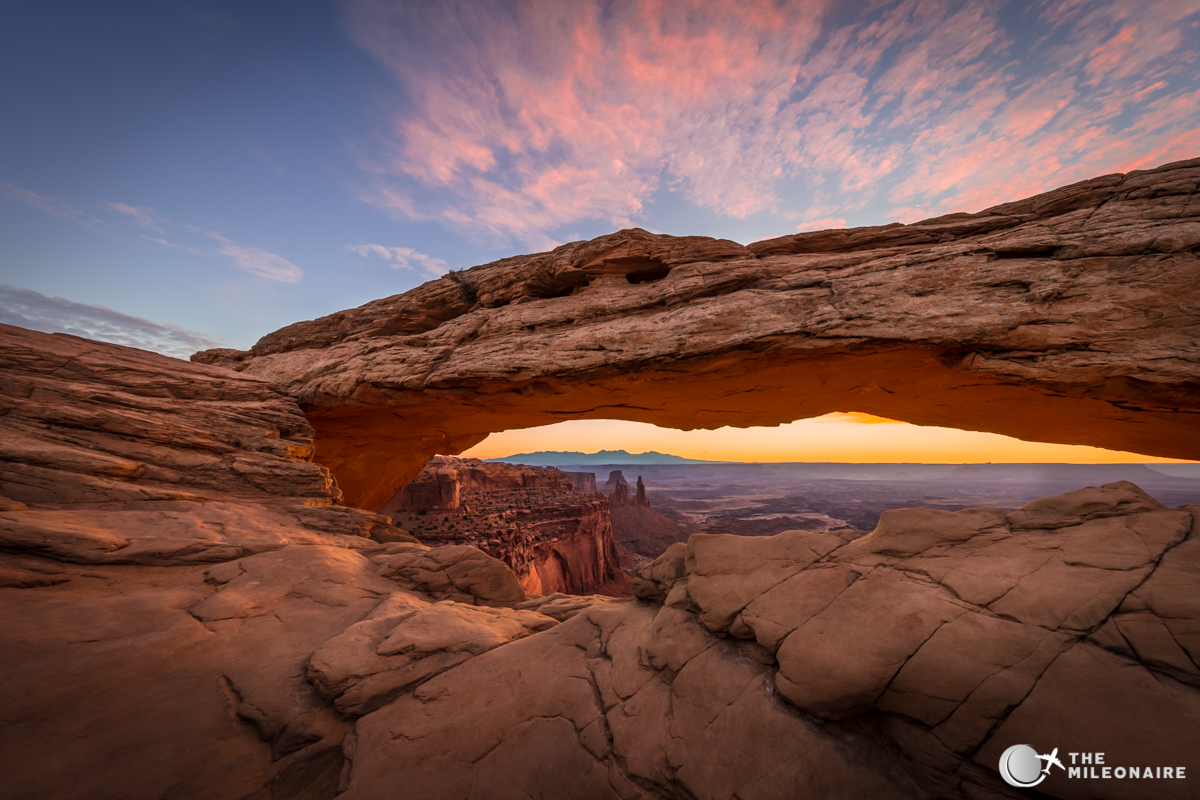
142 216
172 245
258 262
48 204
819 218
403 258
519 118
29 309
822 224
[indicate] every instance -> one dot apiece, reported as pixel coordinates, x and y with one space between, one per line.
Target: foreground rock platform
187 612
1072 317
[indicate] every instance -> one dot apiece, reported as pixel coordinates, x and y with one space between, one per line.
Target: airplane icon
1051 760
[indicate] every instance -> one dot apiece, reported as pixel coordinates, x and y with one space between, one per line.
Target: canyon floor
764 499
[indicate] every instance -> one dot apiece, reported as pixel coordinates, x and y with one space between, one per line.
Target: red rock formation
986 629
583 481
925 648
1067 317
169 561
616 489
436 488
637 527
129 457
555 538
188 613
440 485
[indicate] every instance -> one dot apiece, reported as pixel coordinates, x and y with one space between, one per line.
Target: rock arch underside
192 607
1069 317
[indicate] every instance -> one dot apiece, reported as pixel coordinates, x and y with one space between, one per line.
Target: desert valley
267 573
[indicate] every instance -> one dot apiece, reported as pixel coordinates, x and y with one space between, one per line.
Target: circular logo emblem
1021 767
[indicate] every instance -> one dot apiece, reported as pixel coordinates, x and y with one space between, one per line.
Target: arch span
1070 317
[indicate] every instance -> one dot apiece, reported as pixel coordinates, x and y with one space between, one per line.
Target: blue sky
174 174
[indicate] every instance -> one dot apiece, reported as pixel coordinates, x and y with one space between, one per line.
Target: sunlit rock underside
1072 317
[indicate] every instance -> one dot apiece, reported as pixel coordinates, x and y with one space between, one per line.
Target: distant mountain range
552 458
1088 473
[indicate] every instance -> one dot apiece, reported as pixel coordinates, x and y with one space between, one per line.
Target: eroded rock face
601 723
583 482
927 647
973 630
118 456
616 489
287 655
170 560
555 537
1067 317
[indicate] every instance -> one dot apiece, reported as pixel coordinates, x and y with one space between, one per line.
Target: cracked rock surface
243 643
895 664
188 611
1072 316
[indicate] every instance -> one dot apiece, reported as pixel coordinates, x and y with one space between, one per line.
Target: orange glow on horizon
850 437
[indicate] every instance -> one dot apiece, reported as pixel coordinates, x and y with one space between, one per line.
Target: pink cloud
525 117
821 224
586 111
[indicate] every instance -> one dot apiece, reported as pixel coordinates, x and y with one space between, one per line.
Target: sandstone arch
1072 316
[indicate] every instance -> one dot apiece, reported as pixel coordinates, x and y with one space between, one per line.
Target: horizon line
698 461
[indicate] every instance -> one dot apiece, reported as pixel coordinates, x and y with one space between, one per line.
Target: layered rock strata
1072 316
554 537
170 560
583 482
114 455
153 650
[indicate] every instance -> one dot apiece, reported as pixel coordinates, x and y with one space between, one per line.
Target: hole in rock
374 448
1027 251
1020 286
560 285
573 505
641 270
